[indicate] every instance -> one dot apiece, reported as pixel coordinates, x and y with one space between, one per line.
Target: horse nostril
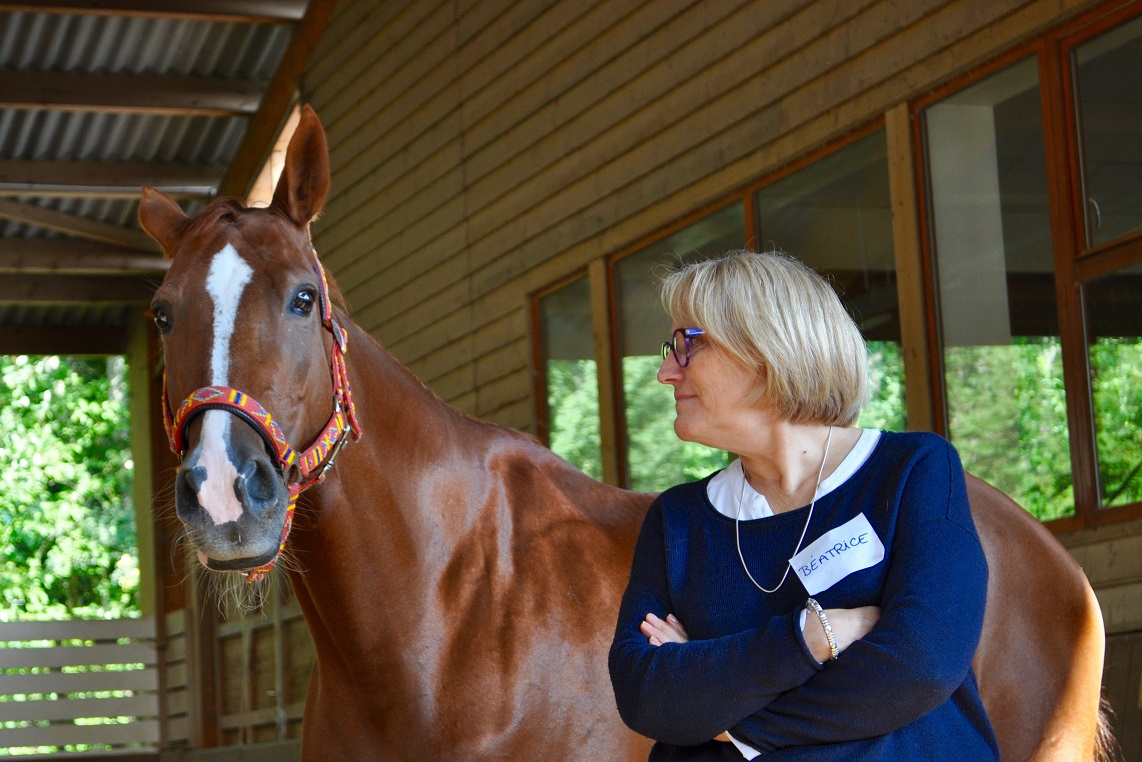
187 484
256 487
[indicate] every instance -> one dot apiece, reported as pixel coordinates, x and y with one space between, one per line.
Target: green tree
573 406
66 515
658 458
1116 365
1007 415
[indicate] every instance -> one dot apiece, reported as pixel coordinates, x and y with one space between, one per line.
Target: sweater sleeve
686 694
920 650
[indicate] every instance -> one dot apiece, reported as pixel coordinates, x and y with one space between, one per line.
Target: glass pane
657 459
572 378
836 216
1109 102
1002 361
1114 318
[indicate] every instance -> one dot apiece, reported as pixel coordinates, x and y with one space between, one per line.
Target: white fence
77 686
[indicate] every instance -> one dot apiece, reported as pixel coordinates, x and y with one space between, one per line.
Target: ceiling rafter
62 340
116 179
232 11
279 97
76 225
35 288
69 256
129 93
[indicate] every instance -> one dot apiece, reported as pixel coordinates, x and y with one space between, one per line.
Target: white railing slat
143 731
79 629
78 656
145 705
81 682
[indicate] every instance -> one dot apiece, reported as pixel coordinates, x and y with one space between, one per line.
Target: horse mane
212 213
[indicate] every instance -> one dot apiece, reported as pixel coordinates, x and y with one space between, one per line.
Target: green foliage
573 407
1008 420
66 516
885 407
1117 389
658 458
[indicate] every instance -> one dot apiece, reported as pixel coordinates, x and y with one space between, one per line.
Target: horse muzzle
231 496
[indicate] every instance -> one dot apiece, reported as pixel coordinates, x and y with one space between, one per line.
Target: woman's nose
670 371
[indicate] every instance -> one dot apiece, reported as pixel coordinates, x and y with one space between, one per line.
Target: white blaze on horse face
225 282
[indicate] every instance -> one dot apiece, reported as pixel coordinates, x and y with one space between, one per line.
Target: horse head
254 353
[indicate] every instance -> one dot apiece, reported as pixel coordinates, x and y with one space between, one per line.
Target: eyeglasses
687 335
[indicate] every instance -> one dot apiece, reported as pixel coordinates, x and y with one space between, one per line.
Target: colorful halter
342 422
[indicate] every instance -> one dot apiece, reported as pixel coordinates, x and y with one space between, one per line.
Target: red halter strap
342 422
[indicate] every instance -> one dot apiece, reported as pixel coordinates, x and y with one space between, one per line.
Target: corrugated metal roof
120 45
124 45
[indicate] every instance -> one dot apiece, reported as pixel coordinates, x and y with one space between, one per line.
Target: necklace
738 518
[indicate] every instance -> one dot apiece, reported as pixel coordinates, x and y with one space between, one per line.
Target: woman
822 597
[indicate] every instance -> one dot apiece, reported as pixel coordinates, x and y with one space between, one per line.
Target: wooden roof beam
67 256
127 93
22 177
279 96
227 11
76 225
77 289
62 340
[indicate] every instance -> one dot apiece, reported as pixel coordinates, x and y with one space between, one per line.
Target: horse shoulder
530 595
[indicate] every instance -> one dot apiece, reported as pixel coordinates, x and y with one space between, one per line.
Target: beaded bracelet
815 607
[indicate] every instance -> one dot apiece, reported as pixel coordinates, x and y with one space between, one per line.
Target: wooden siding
483 150
78 682
1111 556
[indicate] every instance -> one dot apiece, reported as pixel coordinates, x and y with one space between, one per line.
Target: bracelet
815 607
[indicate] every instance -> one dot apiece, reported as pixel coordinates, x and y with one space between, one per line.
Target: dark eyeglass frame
688 335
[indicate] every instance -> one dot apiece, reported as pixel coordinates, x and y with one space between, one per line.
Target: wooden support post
917 353
608 408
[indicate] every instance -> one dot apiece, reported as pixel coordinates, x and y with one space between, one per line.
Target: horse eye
161 318
303 301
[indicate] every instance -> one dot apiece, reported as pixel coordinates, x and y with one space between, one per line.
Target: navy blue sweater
904 691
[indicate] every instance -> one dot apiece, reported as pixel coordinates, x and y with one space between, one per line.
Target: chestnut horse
461 582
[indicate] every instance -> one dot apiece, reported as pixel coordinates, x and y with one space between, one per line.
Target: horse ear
161 218
304 183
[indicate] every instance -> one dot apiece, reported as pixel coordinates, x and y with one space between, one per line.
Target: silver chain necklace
738 518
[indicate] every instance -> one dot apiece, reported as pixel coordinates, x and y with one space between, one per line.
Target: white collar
725 488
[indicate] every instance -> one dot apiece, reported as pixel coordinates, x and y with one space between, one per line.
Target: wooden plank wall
83 683
1111 556
175 686
265 656
482 150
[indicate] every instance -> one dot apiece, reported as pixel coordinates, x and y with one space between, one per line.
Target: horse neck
362 535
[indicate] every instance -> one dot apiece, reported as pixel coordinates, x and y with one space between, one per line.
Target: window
1109 104
991 226
656 458
835 215
1114 318
568 363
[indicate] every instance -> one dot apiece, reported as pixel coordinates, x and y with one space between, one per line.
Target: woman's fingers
668 630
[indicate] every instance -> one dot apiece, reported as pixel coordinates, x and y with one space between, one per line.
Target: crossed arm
767 685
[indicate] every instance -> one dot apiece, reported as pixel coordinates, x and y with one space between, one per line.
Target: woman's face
710 395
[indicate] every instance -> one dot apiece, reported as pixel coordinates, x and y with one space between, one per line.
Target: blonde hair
779 318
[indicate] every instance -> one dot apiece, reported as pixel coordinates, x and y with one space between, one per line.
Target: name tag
837 554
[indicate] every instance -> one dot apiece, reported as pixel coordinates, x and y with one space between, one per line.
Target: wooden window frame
1074 264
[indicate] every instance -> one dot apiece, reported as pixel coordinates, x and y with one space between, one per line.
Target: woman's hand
849 626
670 630
659 631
